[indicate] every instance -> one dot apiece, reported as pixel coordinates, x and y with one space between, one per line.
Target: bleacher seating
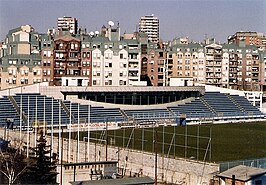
194 109
94 114
7 111
222 105
40 108
246 105
215 104
148 113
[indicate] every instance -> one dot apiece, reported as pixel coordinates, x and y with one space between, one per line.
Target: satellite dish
91 33
111 23
97 32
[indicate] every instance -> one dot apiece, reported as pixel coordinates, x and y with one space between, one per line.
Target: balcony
209 57
73 59
255 71
60 59
209 64
217 64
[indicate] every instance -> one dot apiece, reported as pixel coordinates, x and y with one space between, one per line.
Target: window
72 46
121 55
160 70
12 61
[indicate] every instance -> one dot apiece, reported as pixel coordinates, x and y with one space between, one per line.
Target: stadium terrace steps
215 104
235 102
7 111
94 114
246 105
222 105
148 113
40 108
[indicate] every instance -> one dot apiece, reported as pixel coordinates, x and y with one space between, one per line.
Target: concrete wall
181 82
171 170
34 88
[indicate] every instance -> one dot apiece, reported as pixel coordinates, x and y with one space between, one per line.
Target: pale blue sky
178 18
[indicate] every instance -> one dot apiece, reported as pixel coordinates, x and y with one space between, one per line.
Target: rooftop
243 173
124 181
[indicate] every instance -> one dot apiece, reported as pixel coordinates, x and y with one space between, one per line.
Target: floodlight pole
156 155
88 144
106 139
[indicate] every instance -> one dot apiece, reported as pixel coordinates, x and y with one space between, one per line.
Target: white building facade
149 24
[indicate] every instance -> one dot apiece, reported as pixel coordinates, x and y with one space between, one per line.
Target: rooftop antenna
91 33
111 23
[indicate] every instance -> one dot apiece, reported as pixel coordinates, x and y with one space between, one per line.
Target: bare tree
12 163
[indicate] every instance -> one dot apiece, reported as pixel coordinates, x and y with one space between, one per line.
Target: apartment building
28 57
187 60
251 68
149 24
86 58
263 72
248 38
66 57
20 63
47 59
66 23
213 54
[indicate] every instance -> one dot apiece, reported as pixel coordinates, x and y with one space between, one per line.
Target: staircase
61 103
208 105
14 103
236 103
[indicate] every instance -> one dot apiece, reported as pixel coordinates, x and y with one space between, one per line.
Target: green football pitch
213 143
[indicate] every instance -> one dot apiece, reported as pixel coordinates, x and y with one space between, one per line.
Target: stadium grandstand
52 106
